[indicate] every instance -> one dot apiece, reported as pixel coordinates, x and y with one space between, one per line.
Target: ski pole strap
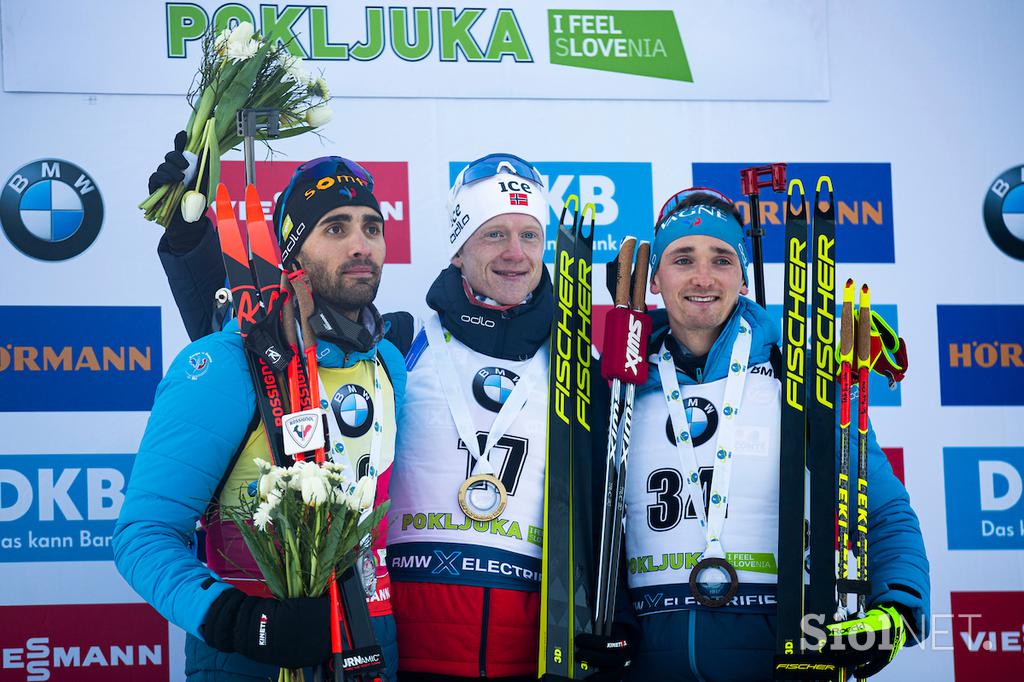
888 353
363 658
711 521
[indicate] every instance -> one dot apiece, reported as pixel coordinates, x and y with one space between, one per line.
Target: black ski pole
752 183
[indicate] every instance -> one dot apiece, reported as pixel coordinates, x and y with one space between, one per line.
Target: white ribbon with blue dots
713 519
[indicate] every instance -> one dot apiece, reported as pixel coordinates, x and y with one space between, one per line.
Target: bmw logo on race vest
492 386
703 418
354 409
51 210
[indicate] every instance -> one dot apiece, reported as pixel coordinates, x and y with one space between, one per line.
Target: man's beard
328 286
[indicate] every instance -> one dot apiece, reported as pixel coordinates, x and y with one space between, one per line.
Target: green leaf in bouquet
238 91
344 553
214 161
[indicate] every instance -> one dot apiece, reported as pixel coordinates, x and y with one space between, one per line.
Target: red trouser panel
440 628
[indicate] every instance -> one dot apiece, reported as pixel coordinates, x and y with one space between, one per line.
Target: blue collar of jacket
764 336
329 354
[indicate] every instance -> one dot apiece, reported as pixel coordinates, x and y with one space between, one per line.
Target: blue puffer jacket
736 646
199 419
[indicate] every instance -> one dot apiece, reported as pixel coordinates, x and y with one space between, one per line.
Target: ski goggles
670 206
493 164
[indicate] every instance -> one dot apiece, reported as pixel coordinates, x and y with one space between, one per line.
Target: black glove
290 633
609 655
866 644
182 236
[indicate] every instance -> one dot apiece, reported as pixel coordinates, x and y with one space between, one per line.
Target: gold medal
482 497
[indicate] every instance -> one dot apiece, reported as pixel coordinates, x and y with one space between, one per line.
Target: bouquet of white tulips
239 70
306 523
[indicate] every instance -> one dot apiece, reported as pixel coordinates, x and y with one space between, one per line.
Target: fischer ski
821 412
793 440
565 586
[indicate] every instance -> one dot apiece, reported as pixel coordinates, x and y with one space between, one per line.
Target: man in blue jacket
197 453
704 472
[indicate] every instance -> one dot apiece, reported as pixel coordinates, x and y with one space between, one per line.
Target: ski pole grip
846 325
623 266
864 328
643 262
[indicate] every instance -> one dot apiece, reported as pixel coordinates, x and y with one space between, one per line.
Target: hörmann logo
67 358
981 358
69 642
864 224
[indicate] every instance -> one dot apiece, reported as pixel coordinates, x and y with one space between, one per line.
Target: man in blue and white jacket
712 389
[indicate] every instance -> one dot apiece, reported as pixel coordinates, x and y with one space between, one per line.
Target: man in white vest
466 518
703 481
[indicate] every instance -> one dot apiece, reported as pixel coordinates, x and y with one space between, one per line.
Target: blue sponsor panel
863 195
79 359
60 507
620 191
464 564
984 497
879 393
981 359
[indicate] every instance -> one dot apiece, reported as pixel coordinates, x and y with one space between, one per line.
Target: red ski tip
253 206
864 289
849 282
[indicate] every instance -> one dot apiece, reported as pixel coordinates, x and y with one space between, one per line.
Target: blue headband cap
703 220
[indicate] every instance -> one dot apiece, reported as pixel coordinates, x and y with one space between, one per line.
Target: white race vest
430 539
664 539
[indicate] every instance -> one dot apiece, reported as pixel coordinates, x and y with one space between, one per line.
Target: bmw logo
703 418
354 409
492 386
51 210
1004 212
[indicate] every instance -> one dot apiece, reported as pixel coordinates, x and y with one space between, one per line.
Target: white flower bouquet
303 525
239 70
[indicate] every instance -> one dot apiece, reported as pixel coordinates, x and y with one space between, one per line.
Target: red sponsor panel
82 642
987 635
390 186
895 456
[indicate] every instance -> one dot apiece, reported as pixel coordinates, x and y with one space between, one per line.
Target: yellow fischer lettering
796 326
825 278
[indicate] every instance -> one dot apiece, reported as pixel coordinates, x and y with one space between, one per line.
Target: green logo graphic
411 34
638 42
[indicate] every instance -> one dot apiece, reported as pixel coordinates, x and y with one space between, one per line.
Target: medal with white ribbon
482 496
713 581
351 475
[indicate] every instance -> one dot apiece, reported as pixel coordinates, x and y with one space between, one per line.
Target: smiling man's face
504 257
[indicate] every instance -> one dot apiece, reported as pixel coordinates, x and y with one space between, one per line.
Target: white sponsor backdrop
931 88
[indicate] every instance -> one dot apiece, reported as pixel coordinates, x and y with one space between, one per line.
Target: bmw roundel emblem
703 418
51 210
354 409
1004 212
492 386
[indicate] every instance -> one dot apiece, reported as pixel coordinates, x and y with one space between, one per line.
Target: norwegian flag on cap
518 199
